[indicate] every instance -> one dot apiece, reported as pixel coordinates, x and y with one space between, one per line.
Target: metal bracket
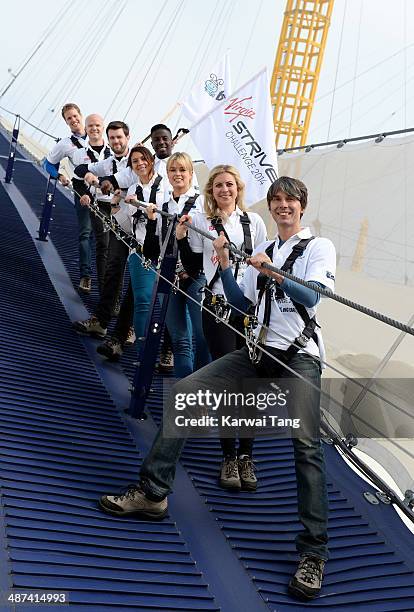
371 498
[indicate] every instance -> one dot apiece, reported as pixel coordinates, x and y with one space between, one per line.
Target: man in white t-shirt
95 150
67 148
287 356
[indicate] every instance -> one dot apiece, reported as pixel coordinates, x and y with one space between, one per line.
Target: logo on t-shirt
330 275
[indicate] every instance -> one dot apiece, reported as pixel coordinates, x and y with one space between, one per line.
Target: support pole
47 209
144 371
12 150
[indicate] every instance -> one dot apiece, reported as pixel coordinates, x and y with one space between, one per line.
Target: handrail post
144 370
12 150
47 209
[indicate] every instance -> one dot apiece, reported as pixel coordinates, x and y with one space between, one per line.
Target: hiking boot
111 349
91 327
166 362
246 472
131 337
133 501
307 581
85 284
229 474
117 308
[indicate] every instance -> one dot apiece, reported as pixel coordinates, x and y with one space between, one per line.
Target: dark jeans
101 242
222 340
183 321
158 469
84 238
114 274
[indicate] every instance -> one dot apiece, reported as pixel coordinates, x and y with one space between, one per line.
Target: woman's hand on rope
131 199
116 198
91 179
85 200
260 258
151 212
63 180
181 230
222 252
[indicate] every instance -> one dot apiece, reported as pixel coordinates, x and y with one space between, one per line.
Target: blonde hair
210 205
181 158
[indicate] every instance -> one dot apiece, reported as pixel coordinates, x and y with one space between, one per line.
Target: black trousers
102 240
114 274
222 340
126 316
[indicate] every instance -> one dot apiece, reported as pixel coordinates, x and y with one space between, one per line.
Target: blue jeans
142 281
183 320
158 468
84 237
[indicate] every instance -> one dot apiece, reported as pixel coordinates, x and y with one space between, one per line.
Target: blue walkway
64 440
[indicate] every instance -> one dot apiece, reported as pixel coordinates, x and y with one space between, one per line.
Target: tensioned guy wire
322 291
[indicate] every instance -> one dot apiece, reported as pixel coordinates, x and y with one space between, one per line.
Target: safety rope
128 240
175 287
29 123
322 291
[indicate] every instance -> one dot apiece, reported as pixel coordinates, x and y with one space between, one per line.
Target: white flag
214 87
239 131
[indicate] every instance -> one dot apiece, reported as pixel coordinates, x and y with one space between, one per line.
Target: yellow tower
297 68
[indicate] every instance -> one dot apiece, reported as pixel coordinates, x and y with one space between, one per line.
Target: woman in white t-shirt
183 319
148 187
224 211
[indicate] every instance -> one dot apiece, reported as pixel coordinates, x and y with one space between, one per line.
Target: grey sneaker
133 501
246 472
307 581
166 363
111 349
229 474
90 326
131 337
85 284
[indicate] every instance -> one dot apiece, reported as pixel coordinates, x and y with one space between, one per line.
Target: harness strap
76 142
152 199
186 209
247 246
268 287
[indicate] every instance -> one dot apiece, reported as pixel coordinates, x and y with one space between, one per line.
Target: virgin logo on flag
239 132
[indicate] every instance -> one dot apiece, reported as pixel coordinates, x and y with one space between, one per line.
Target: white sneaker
133 501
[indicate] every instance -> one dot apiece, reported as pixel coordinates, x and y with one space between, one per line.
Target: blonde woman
224 212
183 318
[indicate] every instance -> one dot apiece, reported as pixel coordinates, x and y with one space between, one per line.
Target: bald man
94 151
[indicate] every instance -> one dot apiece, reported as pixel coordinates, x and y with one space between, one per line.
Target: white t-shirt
234 230
107 166
127 211
318 263
176 208
66 148
81 157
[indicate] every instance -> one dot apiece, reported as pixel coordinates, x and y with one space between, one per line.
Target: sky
134 60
